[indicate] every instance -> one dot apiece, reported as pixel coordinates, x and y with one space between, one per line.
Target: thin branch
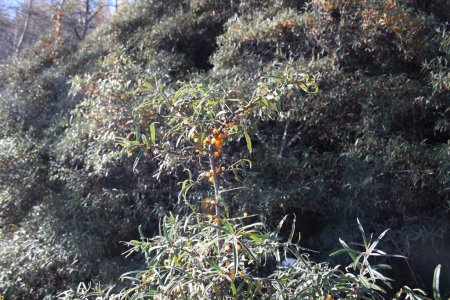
25 29
212 165
284 140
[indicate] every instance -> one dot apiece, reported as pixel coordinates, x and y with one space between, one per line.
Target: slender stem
25 29
284 140
212 166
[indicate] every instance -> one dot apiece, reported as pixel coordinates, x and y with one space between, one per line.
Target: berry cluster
215 141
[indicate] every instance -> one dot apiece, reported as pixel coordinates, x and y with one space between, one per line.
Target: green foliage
20 165
27 253
372 143
198 119
237 258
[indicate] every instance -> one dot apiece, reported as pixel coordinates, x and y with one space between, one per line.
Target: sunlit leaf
249 142
436 291
153 133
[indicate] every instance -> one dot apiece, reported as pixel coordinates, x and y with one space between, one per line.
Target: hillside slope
373 143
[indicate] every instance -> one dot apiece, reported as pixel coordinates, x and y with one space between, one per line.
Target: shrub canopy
373 142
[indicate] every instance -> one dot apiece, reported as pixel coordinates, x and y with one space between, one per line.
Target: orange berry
227 248
207 139
216 154
328 297
217 221
230 124
223 169
225 132
217 170
220 136
245 215
211 179
238 247
215 131
218 143
228 263
232 273
210 217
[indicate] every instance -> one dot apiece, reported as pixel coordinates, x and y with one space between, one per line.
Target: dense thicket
373 142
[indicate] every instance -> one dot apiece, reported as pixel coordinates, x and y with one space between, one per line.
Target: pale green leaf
436 292
249 142
153 133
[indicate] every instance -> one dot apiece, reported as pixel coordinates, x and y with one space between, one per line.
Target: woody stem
212 165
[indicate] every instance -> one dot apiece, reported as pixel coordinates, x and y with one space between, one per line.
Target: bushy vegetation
371 142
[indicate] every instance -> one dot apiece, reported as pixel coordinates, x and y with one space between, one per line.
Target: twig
284 140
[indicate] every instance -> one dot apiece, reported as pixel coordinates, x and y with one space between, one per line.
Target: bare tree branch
25 29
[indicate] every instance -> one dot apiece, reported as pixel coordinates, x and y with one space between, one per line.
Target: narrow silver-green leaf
136 161
145 140
233 289
436 292
138 133
249 142
153 133
361 229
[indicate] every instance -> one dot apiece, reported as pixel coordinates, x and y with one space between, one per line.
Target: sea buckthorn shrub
29 251
252 41
172 39
21 165
214 253
197 258
88 189
32 88
373 143
374 33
